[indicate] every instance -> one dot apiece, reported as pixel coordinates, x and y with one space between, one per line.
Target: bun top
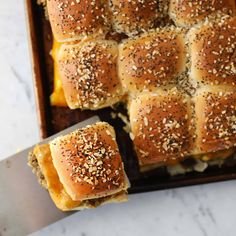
215 109
152 60
188 12
88 162
88 72
212 52
135 16
161 126
73 19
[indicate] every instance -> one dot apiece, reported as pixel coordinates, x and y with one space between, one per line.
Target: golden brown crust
151 60
71 20
88 162
215 109
134 16
89 74
213 52
188 12
160 125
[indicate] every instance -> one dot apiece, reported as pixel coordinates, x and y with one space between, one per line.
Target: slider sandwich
134 17
186 13
73 20
89 74
82 169
152 60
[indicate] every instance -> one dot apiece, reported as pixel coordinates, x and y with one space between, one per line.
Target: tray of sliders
161 73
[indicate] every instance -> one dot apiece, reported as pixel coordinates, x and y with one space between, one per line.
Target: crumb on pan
125 119
43 3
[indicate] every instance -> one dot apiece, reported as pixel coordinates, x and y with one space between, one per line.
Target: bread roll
188 12
215 111
72 19
88 162
89 74
134 16
82 169
212 50
161 127
151 60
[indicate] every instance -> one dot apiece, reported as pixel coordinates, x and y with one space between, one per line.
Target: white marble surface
201 210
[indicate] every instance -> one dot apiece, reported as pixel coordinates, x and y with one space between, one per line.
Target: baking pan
55 119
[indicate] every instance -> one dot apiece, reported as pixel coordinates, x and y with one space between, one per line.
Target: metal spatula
25 207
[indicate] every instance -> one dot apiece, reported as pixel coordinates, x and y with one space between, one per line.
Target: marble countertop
200 210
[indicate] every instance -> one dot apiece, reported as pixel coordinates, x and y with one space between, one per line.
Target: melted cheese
216 155
57 98
56 190
174 167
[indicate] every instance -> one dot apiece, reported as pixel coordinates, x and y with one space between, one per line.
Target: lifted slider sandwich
82 169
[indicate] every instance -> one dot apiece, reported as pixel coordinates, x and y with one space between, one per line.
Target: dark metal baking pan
55 119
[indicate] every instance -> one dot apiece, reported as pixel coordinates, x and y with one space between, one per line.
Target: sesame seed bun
42 166
215 110
161 127
212 52
187 12
135 16
88 72
71 20
88 162
151 60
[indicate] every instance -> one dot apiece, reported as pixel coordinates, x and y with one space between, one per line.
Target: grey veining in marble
197 211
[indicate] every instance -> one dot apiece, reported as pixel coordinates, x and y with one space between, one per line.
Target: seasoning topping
92 157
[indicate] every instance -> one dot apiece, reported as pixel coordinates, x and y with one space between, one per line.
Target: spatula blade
25 207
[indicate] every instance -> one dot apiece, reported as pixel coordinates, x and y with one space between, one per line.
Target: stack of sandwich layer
82 169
